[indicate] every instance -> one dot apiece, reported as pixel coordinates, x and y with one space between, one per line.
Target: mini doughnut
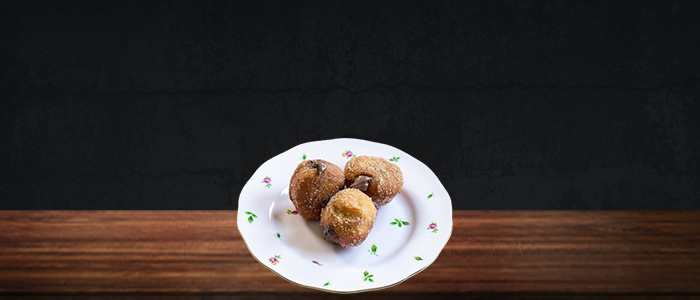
313 184
375 176
348 218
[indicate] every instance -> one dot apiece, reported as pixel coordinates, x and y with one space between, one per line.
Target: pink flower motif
347 154
275 260
317 263
267 181
433 227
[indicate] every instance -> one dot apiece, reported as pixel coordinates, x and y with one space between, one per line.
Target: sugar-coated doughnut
375 176
348 218
313 184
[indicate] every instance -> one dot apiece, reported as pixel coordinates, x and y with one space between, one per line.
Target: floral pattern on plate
400 222
433 227
368 276
304 242
275 259
251 216
373 250
348 154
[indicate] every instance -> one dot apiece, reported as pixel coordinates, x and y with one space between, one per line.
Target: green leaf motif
368 276
278 235
303 157
373 250
400 222
395 159
327 283
431 195
418 258
252 215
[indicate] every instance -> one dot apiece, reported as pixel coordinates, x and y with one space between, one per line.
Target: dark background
513 104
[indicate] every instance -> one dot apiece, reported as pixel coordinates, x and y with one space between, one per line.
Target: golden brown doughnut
348 218
313 184
375 176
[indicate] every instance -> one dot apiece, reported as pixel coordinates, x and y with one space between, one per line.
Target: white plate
295 249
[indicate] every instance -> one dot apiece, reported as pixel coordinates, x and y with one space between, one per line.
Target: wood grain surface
194 253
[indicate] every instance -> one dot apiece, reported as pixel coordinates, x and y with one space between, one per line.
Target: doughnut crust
375 176
348 218
313 184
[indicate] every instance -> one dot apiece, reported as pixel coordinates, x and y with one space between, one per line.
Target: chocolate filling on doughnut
321 166
330 235
361 182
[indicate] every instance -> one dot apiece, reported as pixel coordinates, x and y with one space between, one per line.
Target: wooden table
197 254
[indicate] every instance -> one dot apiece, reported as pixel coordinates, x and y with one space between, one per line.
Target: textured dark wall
514 105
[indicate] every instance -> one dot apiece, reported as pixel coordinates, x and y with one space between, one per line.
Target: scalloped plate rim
428 262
